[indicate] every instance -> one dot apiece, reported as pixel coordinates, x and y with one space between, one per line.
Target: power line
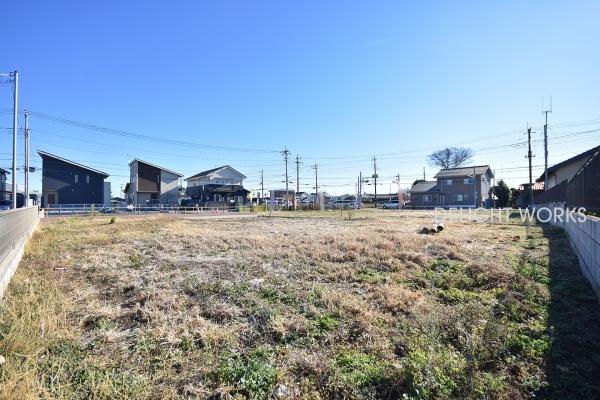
140 136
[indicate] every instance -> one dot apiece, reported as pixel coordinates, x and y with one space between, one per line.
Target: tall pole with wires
297 180
26 158
546 143
360 190
529 156
286 154
15 76
375 178
316 168
262 186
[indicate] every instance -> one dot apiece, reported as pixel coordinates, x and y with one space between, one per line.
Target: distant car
392 204
190 203
344 204
5 205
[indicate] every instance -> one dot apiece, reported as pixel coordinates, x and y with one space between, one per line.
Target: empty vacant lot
303 306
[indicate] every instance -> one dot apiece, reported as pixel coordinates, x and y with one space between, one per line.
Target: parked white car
392 204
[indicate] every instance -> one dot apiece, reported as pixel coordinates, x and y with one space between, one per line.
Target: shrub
251 374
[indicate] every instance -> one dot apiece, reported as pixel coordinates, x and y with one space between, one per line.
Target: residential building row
68 182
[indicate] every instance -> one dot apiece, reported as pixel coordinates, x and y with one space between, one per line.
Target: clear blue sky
335 82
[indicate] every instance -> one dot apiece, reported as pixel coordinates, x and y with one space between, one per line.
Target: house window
427 198
87 179
459 197
76 178
468 181
448 182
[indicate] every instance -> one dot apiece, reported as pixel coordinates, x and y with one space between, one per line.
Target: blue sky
335 82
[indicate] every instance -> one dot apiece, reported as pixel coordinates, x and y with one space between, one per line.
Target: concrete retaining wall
10 260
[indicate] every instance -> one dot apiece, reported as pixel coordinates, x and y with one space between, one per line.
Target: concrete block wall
585 241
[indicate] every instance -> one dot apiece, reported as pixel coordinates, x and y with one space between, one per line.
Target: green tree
502 193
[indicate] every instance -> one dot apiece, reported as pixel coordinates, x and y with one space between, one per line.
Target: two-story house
217 187
149 182
463 187
69 182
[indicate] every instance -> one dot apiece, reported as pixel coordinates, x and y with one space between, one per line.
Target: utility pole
15 76
375 177
316 168
262 186
546 143
360 183
529 156
423 173
286 154
26 159
297 180
474 190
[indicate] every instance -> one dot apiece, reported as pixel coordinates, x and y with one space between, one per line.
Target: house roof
586 154
3 171
212 171
155 166
424 186
462 171
45 154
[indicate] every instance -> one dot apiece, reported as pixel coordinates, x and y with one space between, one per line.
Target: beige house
567 169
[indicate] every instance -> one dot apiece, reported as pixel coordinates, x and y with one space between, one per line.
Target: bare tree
450 157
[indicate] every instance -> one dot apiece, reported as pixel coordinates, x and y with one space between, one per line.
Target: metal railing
14 225
98 209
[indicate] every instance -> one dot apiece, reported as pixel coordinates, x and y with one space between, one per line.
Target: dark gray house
68 182
464 187
424 194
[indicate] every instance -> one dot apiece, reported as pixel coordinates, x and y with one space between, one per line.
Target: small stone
2 360
281 392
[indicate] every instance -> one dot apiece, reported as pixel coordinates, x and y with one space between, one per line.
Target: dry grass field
298 306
